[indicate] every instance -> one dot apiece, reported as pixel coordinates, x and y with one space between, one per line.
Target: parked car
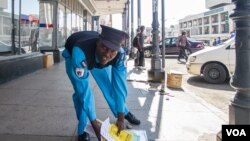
215 64
171 48
5 47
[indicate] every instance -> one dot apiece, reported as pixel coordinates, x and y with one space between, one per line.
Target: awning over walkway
33 19
24 17
29 18
104 7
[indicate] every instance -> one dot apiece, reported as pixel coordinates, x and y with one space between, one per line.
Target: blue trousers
82 89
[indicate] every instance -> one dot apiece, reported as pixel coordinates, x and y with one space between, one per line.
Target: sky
174 10
26 7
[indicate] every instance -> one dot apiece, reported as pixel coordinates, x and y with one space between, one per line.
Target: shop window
69 24
190 24
214 29
29 27
200 21
81 23
214 19
181 25
206 20
7 20
195 22
200 30
224 16
7 31
46 25
206 30
26 20
61 34
74 23
185 25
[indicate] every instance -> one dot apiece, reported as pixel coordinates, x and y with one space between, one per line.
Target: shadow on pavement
149 118
198 81
135 70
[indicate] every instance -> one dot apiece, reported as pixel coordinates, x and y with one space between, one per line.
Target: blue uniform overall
111 78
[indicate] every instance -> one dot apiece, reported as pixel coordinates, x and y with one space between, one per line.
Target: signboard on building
214 11
215 3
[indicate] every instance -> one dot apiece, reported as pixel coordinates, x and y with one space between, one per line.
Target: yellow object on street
174 79
48 60
123 136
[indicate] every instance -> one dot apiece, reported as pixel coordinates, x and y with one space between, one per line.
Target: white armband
79 72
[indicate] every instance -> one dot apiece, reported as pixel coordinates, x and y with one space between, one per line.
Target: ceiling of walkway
105 7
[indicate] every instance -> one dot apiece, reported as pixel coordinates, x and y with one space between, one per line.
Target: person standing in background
232 34
140 56
218 41
214 42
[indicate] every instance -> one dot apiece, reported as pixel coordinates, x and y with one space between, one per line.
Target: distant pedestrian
218 41
232 34
182 43
135 47
215 42
140 61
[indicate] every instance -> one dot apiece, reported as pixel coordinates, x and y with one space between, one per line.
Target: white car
215 64
4 47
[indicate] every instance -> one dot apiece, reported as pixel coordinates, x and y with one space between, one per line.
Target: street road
218 95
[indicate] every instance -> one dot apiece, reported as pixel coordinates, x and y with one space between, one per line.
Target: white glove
79 72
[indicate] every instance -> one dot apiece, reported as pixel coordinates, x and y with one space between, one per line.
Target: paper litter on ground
109 133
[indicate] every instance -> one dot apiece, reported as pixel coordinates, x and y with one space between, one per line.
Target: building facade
29 29
211 24
46 24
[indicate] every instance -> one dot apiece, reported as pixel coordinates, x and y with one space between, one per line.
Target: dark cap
112 38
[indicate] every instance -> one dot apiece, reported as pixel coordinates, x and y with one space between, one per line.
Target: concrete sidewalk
39 107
